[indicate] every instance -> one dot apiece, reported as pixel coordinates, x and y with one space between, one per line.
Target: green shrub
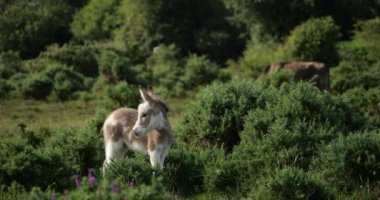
146 24
217 114
167 69
136 170
368 32
123 95
116 67
348 75
352 161
292 183
257 55
81 57
366 101
9 64
228 175
183 162
38 86
56 81
313 40
66 82
96 20
200 71
5 88
28 27
295 122
31 166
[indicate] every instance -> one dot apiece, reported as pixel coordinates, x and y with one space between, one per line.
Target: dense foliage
235 137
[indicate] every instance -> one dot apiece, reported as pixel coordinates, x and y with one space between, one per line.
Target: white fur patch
114 150
157 121
110 120
135 146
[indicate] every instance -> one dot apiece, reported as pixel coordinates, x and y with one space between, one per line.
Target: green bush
167 69
352 161
56 81
5 88
364 100
28 27
9 64
81 57
200 71
34 166
181 162
217 114
123 95
116 67
39 86
196 26
292 183
313 40
368 32
136 170
96 20
348 75
257 55
295 122
227 175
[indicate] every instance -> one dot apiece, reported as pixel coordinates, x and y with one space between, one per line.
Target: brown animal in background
303 70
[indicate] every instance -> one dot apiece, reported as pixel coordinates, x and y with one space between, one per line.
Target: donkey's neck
166 131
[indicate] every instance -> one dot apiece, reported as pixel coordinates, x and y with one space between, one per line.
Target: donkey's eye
144 115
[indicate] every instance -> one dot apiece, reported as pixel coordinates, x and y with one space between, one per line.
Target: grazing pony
145 130
303 70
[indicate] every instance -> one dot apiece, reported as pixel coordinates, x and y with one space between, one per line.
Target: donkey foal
145 130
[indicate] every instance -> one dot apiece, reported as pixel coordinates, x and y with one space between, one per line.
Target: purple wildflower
52 196
126 198
77 181
115 187
132 183
91 178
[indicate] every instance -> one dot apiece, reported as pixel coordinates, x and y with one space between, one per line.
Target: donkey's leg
114 150
155 158
163 156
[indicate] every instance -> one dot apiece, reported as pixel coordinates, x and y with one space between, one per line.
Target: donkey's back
119 123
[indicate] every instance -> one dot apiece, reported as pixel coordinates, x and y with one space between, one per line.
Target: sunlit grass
44 114
38 114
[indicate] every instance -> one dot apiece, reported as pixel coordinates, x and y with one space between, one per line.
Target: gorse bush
217 115
57 81
96 20
292 183
48 158
314 39
27 27
200 71
353 161
81 57
9 64
114 67
123 95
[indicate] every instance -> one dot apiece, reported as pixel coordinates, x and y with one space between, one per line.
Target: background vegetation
66 64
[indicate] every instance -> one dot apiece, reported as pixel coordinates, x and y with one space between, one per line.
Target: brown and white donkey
145 130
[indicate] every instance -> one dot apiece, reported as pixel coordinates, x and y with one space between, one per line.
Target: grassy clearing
44 114
38 114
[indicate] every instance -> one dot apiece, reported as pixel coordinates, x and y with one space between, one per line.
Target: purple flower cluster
91 178
92 181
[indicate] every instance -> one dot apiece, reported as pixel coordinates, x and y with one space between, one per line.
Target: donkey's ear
150 91
145 96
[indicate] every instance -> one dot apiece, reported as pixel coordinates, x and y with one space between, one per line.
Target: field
267 99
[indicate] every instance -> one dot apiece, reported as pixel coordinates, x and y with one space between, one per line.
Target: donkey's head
151 114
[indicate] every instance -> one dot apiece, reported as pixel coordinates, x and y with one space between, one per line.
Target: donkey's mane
160 103
163 106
